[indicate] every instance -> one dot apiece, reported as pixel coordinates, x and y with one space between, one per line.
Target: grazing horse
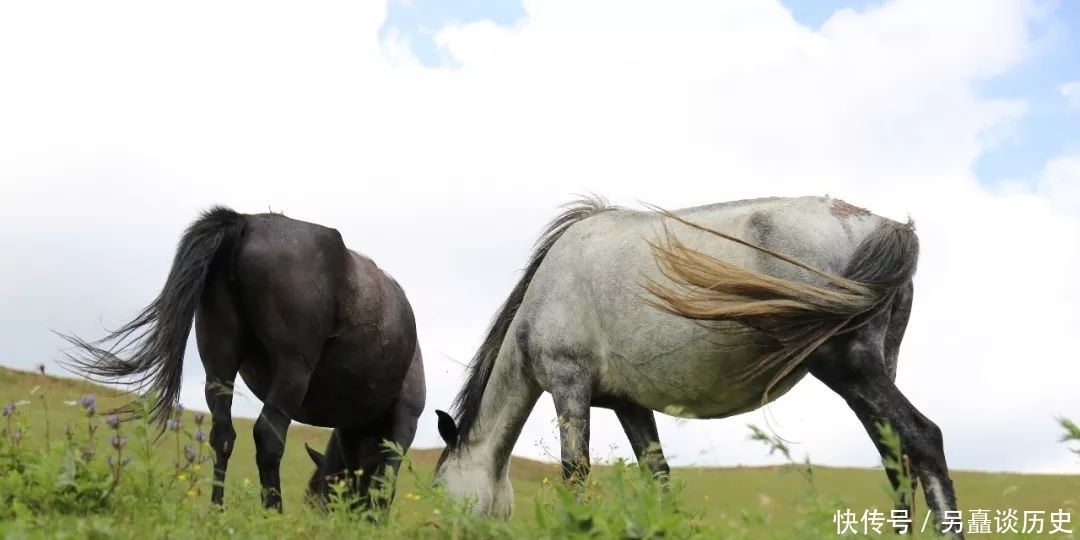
705 312
319 333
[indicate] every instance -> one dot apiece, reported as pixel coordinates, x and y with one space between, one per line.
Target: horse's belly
705 385
351 386
353 389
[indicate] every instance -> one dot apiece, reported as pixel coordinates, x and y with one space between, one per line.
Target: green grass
47 490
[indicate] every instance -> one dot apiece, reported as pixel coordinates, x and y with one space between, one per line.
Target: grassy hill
747 495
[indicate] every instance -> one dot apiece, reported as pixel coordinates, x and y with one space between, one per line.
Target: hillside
719 492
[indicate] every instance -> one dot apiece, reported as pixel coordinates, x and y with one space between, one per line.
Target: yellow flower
545 481
412 496
247 482
181 477
191 493
197 467
359 472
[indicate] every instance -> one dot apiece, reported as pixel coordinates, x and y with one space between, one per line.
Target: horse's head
469 474
332 474
318 489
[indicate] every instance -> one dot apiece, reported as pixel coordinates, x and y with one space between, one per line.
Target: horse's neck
509 397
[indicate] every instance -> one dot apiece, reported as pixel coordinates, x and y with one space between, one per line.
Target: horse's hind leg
894 335
854 366
293 343
639 423
219 334
286 395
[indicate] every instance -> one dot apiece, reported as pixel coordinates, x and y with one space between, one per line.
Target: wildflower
178 410
199 418
412 497
199 436
247 482
87 453
359 472
113 421
9 409
88 402
189 453
191 493
181 477
118 441
173 425
16 434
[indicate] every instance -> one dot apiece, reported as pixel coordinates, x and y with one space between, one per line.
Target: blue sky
1047 129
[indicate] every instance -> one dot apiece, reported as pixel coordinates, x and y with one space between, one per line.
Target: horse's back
821 231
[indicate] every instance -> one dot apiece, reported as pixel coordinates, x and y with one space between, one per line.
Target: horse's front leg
571 390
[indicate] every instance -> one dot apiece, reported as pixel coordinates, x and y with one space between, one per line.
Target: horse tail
157 337
467 403
798 317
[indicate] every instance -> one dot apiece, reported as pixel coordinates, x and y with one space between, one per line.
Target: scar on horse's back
843 209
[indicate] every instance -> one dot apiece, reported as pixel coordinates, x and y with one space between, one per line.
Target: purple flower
199 436
118 441
9 409
113 421
199 418
189 452
88 401
173 425
178 410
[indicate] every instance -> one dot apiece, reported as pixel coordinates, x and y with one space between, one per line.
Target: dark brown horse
319 333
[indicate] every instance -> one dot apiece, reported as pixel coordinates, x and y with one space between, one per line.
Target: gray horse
639 311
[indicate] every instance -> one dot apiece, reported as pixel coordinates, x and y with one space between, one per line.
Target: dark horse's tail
157 337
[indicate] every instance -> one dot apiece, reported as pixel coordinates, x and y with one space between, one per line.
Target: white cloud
1071 92
128 118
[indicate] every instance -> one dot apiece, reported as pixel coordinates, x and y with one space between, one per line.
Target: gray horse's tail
157 337
797 316
467 403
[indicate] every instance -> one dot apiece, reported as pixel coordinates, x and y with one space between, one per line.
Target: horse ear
315 456
447 428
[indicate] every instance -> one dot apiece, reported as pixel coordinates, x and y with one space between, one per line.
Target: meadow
69 471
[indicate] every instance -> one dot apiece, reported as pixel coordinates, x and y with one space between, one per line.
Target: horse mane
466 405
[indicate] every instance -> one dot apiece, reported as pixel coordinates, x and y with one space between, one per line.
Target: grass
51 487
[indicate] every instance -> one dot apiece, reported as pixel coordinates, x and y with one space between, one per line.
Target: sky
441 136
